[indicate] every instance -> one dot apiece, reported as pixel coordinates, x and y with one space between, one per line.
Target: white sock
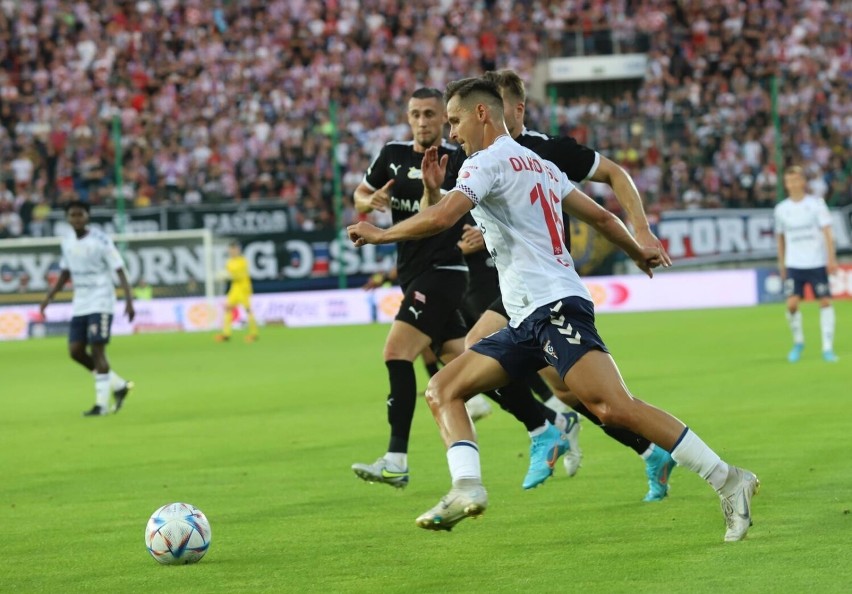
694 454
795 321
116 382
398 459
539 430
463 459
102 390
556 404
647 453
826 324
561 423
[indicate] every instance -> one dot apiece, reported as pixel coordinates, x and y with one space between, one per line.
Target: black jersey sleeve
377 173
566 153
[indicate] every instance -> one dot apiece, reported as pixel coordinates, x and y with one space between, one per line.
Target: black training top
400 162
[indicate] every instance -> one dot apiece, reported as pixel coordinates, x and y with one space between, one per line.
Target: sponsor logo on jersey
405 205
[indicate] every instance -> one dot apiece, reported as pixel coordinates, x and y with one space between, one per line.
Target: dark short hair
427 93
508 81
234 243
466 87
76 204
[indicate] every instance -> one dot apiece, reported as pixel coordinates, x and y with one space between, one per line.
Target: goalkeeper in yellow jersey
237 271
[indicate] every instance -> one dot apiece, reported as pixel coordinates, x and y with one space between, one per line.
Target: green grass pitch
261 438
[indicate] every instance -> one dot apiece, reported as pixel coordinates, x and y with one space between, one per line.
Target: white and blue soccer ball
178 534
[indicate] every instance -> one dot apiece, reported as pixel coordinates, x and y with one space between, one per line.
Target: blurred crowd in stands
221 101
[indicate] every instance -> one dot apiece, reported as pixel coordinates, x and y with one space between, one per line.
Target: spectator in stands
213 98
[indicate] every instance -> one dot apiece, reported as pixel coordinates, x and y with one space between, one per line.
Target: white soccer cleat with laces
460 503
736 505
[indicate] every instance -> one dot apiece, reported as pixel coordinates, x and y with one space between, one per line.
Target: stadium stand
228 101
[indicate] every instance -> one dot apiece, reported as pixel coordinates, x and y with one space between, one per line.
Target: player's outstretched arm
426 223
628 197
64 276
610 226
129 311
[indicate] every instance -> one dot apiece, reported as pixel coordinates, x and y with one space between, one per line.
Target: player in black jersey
432 274
579 163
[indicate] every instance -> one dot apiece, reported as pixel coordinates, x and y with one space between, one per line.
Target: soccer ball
177 534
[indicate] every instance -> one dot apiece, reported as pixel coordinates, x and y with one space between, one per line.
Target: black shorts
557 334
432 304
797 278
90 329
480 295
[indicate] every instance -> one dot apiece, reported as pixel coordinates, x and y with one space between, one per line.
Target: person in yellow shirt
237 270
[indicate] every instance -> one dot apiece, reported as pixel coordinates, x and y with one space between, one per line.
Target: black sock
539 387
637 443
517 399
432 368
401 400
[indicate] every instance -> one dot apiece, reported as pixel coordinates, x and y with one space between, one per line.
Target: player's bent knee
439 392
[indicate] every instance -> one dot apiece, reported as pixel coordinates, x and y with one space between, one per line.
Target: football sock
554 403
401 401
539 430
397 459
226 325
432 368
635 442
689 451
560 422
539 387
463 459
102 390
252 324
517 399
795 321
826 324
116 382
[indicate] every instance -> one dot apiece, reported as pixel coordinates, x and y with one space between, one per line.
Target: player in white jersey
517 196
89 257
806 256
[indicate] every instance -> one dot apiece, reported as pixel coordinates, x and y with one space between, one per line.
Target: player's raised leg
658 462
596 381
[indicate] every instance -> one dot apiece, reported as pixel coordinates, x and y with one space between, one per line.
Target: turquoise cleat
829 357
796 353
658 468
545 450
